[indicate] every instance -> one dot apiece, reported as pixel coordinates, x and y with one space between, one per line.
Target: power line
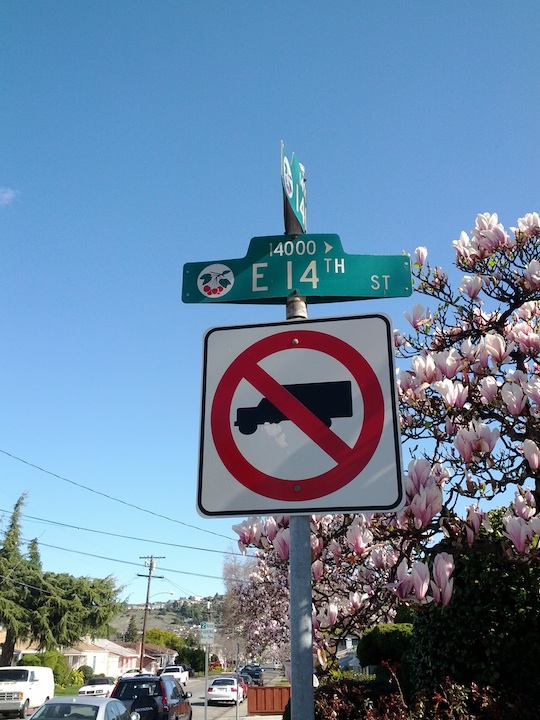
125 537
110 497
126 562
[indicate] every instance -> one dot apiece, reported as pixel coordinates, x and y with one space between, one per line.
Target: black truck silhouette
326 400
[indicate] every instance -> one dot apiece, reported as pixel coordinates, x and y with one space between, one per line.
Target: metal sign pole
302 700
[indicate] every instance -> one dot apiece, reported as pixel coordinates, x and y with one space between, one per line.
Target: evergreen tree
132 633
47 608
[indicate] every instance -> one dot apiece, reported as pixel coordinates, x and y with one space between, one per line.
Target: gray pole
302 701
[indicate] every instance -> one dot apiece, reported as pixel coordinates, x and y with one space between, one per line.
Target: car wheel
23 712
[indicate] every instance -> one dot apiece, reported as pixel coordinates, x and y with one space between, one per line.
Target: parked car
225 689
153 697
102 686
241 679
177 671
256 673
247 679
82 708
131 672
24 687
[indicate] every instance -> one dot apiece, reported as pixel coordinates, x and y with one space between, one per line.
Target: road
219 712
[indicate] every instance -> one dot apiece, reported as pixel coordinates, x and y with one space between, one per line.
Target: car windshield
14 674
74 711
130 690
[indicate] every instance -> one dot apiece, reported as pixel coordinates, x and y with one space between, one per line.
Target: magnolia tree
469 393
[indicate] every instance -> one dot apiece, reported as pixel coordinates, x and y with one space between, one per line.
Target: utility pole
150 563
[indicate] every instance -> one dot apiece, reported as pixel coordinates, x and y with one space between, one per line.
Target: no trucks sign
300 418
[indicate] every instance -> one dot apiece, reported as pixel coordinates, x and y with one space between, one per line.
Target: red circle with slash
350 461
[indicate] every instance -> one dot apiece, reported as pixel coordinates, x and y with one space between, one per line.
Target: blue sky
136 137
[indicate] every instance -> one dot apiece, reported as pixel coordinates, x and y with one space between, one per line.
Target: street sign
206 633
314 266
300 418
293 182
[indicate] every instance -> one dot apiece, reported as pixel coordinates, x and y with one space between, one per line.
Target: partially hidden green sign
313 266
293 182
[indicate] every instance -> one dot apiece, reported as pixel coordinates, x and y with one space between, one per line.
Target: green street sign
293 182
313 266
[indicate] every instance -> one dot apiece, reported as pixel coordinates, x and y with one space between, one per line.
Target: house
155 657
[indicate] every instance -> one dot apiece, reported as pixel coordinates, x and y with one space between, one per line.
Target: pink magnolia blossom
529 224
517 531
447 362
489 235
282 543
425 505
424 366
453 393
531 451
271 528
532 389
399 339
471 286
380 558
317 545
317 570
497 348
464 249
474 521
418 475
524 504
527 311
488 389
418 318
334 547
403 585
358 538
534 525
525 337
249 532
355 600
329 615
420 580
477 439
513 397
420 255
442 584
531 275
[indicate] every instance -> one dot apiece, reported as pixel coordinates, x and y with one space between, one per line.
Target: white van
23 687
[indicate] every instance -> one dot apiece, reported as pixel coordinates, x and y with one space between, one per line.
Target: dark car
255 672
153 697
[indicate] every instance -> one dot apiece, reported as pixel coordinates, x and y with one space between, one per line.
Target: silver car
225 689
82 707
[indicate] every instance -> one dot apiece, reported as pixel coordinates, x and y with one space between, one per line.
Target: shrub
53 659
76 677
384 643
58 664
349 700
388 645
86 671
490 632
30 660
